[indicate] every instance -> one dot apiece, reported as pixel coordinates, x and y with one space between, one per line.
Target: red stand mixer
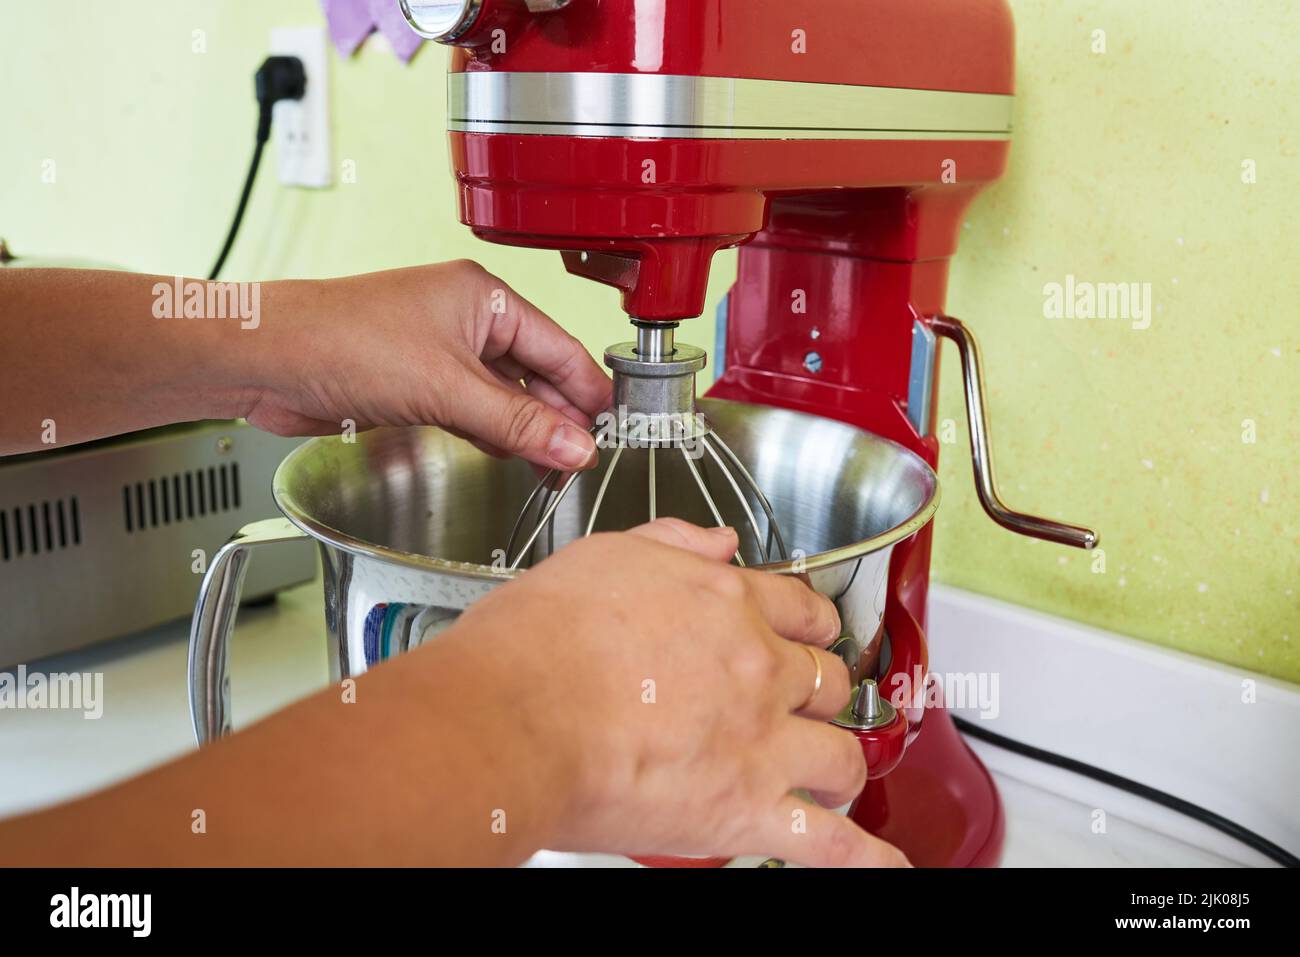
838 143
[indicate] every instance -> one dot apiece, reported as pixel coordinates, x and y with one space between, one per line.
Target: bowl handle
214 620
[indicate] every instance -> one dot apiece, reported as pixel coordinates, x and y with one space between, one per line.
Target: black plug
278 78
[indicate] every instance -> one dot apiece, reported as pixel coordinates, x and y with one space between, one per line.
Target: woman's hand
673 692
447 345
631 694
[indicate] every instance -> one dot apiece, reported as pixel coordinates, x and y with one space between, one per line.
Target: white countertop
279 655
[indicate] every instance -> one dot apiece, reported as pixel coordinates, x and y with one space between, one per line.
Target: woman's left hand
448 345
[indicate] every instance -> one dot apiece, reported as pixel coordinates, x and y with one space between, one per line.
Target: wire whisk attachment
650 468
659 456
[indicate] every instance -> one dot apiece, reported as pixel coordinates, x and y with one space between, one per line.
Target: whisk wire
552 504
773 528
653 505
708 499
542 484
604 486
740 497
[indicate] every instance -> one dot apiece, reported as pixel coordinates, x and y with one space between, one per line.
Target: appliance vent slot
169 499
38 527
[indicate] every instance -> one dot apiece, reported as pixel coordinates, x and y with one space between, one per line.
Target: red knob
881 730
883 747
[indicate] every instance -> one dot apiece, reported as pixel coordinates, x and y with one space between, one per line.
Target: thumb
523 425
716 543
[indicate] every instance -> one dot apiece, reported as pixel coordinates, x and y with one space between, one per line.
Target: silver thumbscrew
867 710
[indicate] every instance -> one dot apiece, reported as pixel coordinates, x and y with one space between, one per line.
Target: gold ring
817 682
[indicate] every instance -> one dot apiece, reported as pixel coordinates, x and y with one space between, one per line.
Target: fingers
528 336
799 681
822 759
557 399
718 544
520 424
802 833
510 380
793 609
510 375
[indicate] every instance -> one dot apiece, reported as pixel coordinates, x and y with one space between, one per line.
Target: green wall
1127 166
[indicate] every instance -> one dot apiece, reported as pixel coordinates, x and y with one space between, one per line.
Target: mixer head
658 446
639 139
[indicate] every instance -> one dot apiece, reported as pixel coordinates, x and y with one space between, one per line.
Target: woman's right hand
677 693
632 694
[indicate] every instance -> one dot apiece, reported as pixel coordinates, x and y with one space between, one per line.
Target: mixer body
839 144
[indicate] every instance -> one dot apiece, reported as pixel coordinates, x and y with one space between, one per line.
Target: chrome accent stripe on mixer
708 107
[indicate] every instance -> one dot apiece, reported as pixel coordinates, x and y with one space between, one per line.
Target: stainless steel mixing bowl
412 525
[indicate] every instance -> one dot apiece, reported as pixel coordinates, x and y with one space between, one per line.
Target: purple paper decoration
388 17
351 21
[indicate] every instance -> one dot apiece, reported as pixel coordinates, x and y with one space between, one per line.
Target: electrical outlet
301 128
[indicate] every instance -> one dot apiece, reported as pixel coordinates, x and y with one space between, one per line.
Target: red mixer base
940 805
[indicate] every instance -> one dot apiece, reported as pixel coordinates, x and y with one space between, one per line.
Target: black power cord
278 78
1231 828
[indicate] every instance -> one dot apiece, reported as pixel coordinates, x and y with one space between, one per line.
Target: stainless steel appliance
106 538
